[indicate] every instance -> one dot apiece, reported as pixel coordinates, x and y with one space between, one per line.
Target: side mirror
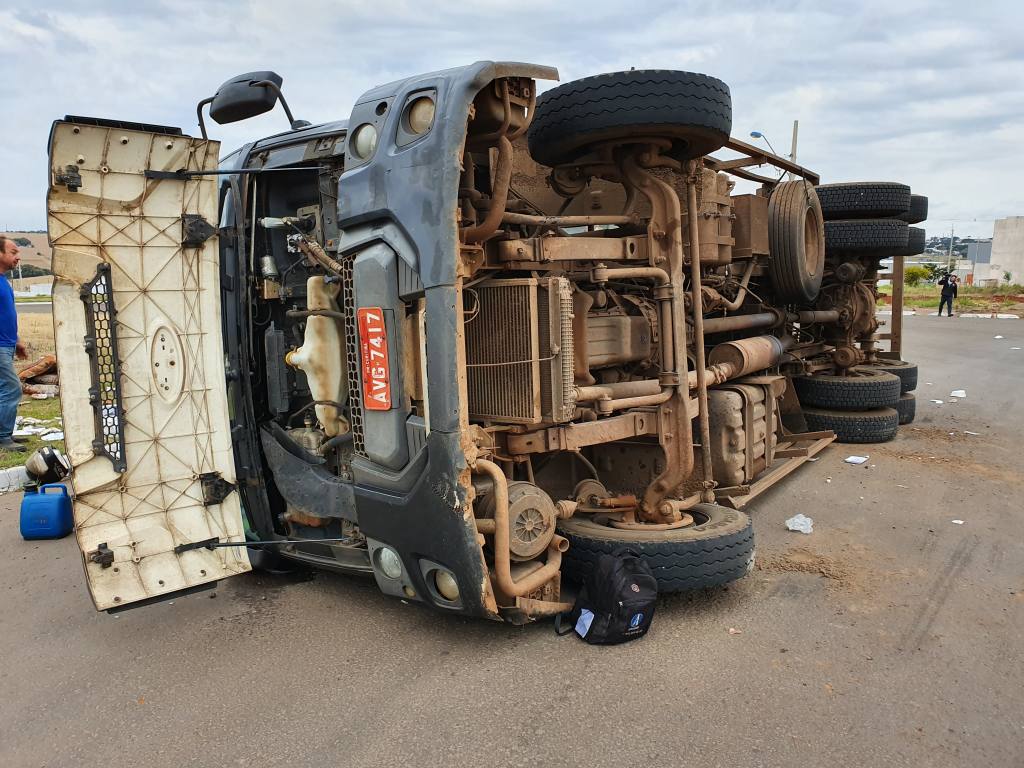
245 96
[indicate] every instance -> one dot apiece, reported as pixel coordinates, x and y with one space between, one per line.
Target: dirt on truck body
465 341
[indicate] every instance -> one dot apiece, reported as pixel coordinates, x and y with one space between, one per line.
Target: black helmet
47 465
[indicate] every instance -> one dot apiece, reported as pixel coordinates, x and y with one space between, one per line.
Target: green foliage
915 275
22 242
30 270
47 410
1007 275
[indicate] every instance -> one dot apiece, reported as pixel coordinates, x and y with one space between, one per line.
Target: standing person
10 384
948 284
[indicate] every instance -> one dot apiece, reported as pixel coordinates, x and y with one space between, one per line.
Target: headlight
419 115
364 141
446 585
389 562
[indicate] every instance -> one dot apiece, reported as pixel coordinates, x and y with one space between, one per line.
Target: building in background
1007 250
32 287
979 260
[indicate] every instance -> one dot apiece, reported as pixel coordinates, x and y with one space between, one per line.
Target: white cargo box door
136 307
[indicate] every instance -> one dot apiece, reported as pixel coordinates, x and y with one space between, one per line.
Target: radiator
519 350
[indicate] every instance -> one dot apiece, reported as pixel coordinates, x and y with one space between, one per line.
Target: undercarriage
625 328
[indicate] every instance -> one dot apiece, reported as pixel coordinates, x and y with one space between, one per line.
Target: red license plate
373 342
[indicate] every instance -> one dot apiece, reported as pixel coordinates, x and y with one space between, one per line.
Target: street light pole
792 151
949 255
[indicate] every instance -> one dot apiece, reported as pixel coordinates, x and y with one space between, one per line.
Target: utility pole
792 150
949 255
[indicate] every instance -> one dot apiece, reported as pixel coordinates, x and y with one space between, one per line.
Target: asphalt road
888 637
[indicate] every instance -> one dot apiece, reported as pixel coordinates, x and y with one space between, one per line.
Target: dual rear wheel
867 405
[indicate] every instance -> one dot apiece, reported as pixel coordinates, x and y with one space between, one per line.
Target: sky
925 93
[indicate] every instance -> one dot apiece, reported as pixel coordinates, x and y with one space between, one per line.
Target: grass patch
970 298
36 409
33 300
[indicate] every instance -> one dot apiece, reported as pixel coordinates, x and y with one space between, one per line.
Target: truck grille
355 384
519 351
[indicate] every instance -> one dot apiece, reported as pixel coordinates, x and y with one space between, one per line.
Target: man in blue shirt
10 384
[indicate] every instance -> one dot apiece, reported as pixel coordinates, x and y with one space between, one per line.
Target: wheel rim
812 242
603 521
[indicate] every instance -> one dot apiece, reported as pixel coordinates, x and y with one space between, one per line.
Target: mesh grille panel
355 384
101 344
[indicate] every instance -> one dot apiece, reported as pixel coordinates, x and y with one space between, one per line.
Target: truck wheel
796 241
906 407
883 237
693 110
918 210
906 371
861 389
717 549
863 200
878 425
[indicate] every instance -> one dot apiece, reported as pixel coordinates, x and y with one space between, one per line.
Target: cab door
137 321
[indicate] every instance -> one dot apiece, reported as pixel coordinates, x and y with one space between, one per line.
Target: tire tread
678 565
874 389
878 425
629 102
863 199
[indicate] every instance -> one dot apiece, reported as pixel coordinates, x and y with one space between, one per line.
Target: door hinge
69 177
215 488
195 230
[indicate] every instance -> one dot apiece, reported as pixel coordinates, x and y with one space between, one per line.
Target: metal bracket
180 175
195 230
102 555
215 488
204 544
69 177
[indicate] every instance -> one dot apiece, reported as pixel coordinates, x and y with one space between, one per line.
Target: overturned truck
464 341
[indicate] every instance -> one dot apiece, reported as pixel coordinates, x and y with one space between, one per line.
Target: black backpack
616 602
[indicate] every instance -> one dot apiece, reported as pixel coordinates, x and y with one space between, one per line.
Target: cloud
922 92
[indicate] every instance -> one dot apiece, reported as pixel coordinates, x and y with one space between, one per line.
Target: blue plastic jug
46 515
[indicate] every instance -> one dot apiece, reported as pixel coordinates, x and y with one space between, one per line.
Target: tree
31 270
915 275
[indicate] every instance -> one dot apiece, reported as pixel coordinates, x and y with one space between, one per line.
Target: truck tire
796 241
717 549
878 425
906 407
907 372
882 237
693 110
863 200
918 210
915 243
862 389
